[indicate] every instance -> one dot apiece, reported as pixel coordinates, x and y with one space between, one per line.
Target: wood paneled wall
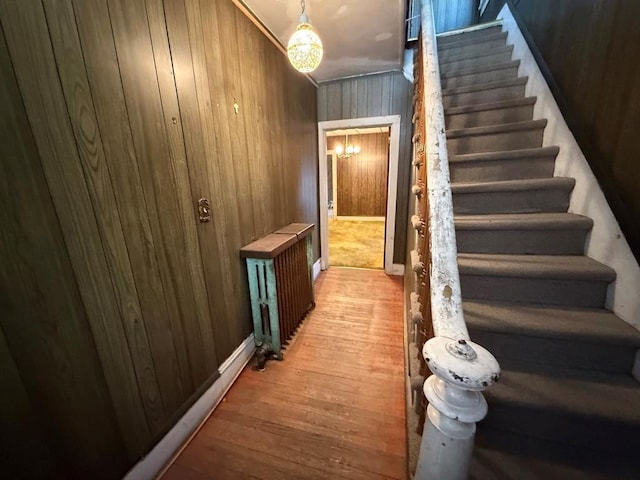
454 14
589 52
117 304
372 96
362 179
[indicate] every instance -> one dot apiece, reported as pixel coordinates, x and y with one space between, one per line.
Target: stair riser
538 201
539 355
489 117
490 170
473 49
576 293
521 242
483 96
467 54
561 427
475 35
475 62
482 77
495 142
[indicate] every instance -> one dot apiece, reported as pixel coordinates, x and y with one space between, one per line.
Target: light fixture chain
303 5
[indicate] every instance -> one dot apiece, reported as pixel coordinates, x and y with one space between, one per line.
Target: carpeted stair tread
481 30
511 103
558 267
446 43
469 53
523 221
480 69
505 155
516 456
497 129
530 184
549 321
484 86
577 407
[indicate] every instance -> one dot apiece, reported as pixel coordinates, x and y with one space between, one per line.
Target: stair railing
461 369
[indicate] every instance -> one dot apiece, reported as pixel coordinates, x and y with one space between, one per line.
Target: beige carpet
356 244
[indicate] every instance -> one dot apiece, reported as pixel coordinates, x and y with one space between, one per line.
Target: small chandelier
348 150
305 47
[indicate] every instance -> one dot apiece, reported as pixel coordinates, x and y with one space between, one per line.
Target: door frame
391 121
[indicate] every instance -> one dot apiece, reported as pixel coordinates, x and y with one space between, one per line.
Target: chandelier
305 47
348 150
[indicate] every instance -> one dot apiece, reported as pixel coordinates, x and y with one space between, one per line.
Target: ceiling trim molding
349 77
248 12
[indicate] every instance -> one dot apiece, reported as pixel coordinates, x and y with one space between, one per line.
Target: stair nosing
505 155
445 60
525 184
523 222
498 128
492 67
485 86
462 43
482 107
549 267
626 336
556 402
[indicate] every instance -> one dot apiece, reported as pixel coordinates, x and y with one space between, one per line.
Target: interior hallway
334 408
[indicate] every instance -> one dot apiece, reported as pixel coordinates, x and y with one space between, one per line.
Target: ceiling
359 36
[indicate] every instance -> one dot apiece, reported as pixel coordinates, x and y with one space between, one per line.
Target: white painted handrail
461 369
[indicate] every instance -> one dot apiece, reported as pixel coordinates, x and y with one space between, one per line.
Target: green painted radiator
280 273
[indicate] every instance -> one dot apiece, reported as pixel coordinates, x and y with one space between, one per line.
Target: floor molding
316 269
360 219
398 269
162 455
473 28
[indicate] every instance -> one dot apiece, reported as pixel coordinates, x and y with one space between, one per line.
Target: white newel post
461 370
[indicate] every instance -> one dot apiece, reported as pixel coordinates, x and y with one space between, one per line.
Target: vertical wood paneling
152 144
589 53
371 96
158 302
37 75
43 319
66 45
118 304
362 179
21 435
454 14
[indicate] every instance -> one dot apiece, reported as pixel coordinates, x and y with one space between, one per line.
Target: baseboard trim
316 269
160 458
397 269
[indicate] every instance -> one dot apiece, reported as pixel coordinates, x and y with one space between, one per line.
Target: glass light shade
339 150
304 49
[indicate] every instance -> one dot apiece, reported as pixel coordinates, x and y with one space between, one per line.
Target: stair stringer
606 243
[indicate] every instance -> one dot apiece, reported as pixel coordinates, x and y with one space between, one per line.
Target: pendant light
305 47
348 150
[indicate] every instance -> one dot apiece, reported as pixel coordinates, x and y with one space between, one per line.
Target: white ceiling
359 36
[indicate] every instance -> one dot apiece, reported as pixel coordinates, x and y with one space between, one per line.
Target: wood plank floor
334 408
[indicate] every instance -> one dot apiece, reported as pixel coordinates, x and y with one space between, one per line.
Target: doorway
361 208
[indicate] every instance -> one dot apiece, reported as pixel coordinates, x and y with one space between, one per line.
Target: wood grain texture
147 259
49 369
246 159
454 14
33 60
70 63
372 96
119 117
362 179
152 142
334 408
595 79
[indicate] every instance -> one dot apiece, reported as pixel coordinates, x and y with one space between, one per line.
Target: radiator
280 273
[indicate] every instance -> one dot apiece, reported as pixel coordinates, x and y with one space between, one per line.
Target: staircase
566 405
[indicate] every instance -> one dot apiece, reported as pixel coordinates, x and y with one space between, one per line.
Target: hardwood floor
334 408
